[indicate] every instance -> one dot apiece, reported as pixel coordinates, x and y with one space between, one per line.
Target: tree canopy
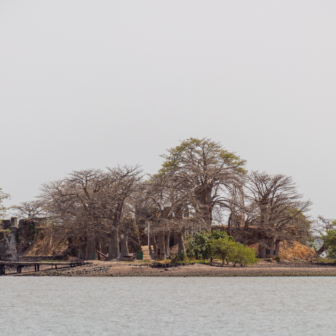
206 169
199 184
3 209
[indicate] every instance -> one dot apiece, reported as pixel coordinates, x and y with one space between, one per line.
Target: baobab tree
88 207
208 170
123 182
74 205
276 211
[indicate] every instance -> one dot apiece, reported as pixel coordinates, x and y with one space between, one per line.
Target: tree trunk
229 224
98 248
82 251
167 239
277 247
161 246
321 250
114 245
180 242
206 214
124 245
262 250
90 249
206 208
155 247
271 248
104 248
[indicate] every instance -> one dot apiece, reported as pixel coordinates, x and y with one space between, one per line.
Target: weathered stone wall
5 224
8 244
16 239
26 234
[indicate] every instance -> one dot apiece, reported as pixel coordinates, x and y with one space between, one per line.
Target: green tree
230 251
206 168
330 243
199 245
223 249
329 239
3 209
326 229
243 255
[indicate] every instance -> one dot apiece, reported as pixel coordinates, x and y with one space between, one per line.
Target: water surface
167 306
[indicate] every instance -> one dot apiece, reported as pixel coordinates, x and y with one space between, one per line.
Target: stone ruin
16 237
8 239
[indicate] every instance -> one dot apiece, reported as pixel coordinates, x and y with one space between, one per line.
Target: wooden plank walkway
20 264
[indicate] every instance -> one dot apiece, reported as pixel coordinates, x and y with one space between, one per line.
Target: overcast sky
90 84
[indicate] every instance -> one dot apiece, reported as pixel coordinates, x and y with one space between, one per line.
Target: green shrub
277 259
217 244
330 242
243 255
199 245
178 256
223 249
230 251
192 262
326 261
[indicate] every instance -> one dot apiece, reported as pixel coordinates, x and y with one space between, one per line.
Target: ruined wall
26 234
5 224
15 239
8 240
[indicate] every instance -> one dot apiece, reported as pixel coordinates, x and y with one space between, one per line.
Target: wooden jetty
20 264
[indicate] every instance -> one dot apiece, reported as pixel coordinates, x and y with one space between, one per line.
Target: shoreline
121 269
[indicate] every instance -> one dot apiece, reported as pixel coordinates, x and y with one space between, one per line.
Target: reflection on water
167 306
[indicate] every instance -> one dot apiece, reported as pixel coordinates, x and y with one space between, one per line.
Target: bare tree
171 213
276 211
74 205
123 183
30 210
88 207
199 183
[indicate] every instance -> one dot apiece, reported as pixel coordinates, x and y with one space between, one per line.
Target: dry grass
296 250
45 245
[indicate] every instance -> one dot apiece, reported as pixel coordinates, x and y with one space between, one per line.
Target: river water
167 306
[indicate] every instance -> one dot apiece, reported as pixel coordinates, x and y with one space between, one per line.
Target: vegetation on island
217 244
200 185
326 229
3 209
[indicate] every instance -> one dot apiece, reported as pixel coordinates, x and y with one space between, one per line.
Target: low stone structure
16 238
8 240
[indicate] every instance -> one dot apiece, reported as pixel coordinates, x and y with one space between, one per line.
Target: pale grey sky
90 84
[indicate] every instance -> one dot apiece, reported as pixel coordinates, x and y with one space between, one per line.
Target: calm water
167 306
